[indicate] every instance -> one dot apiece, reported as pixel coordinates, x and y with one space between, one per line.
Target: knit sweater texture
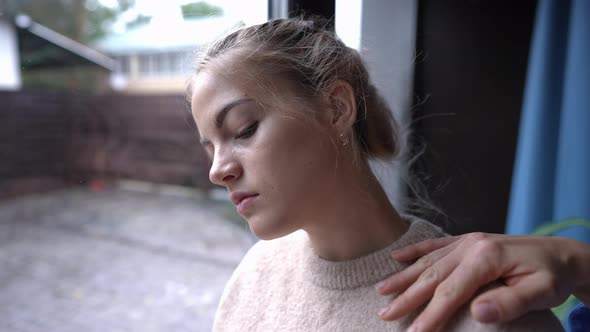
282 285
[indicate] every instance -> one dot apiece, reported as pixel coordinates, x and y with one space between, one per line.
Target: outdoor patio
115 260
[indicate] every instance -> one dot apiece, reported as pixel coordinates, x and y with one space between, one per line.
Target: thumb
506 303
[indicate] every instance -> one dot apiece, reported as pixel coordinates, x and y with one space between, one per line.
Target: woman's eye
249 131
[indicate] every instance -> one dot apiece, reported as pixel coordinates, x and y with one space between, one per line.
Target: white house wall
9 60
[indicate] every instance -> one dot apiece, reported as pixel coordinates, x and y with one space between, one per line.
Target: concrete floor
115 260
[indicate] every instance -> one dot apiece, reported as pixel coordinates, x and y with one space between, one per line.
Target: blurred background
107 219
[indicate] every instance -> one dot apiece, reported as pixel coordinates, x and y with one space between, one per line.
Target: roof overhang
41 47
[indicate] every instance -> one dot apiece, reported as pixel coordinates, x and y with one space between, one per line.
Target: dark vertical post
312 7
469 78
292 8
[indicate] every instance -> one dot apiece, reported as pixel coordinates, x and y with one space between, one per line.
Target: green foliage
552 228
97 22
200 9
81 20
562 311
139 20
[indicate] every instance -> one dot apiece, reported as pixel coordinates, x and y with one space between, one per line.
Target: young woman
289 118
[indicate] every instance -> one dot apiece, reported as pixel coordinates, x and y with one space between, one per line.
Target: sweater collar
366 270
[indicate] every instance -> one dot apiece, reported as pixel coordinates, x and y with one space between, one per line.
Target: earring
343 139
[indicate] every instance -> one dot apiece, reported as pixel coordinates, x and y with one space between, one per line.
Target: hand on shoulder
536 273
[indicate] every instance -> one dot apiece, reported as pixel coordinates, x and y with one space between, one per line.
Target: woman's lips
246 203
243 200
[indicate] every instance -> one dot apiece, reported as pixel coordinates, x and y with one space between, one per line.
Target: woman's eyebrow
220 117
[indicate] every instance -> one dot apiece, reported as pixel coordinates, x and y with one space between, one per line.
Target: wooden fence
48 138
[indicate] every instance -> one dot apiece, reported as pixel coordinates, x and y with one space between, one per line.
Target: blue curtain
551 178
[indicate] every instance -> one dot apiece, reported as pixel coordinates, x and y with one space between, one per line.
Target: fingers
425 275
420 249
507 303
414 297
402 280
399 281
452 270
458 288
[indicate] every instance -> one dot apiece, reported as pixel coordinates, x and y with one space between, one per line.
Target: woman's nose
224 171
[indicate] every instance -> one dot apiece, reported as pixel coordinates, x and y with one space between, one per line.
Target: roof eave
25 23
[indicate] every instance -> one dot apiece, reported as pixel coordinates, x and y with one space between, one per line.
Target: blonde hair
304 52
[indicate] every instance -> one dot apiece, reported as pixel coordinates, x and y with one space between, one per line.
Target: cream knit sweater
281 285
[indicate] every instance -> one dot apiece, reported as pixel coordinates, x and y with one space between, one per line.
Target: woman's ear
341 102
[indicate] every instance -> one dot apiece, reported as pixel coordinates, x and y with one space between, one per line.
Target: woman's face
277 163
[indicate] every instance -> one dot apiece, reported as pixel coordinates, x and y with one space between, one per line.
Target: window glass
107 218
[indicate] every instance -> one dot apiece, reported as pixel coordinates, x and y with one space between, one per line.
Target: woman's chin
268 230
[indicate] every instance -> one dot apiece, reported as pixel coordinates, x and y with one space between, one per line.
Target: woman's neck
358 220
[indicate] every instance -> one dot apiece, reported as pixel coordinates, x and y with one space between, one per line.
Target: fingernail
486 312
415 327
383 311
380 285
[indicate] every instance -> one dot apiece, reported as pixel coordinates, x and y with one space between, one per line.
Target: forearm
581 263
